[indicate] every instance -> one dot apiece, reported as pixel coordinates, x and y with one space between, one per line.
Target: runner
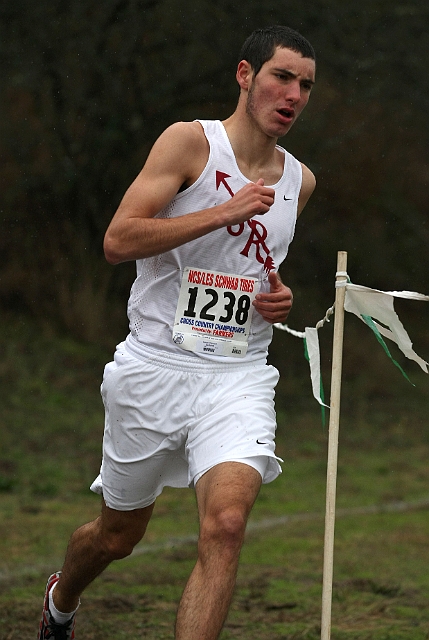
189 397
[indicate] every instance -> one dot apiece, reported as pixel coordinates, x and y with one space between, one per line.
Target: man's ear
244 74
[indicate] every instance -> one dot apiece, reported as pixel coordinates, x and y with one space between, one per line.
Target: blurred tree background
86 87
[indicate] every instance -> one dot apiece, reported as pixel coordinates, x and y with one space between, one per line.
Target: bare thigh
229 486
122 530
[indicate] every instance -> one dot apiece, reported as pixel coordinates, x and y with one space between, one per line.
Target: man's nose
294 91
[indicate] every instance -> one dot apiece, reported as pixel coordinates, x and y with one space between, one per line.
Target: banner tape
369 305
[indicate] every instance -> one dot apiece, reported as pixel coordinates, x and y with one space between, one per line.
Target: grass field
49 452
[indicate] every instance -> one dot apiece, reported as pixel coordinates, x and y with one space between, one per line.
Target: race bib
214 312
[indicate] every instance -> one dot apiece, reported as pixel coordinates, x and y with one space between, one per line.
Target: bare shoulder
184 134
307 187
177 158
182 146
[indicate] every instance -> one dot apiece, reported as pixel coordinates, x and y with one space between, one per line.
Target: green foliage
51 416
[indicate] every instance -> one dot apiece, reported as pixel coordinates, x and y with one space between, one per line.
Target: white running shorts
170 419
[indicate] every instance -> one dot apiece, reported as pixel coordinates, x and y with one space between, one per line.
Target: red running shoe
48 627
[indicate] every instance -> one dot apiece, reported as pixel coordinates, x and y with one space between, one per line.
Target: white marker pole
334 422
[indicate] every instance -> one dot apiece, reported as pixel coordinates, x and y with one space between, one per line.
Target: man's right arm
178 157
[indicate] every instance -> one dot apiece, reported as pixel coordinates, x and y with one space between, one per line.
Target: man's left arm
307 187
275 304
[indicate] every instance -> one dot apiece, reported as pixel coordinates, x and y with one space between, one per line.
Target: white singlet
237 259
190 388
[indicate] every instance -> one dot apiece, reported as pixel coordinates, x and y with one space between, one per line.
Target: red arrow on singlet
221 179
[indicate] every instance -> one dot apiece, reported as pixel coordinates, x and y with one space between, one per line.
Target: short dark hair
261 45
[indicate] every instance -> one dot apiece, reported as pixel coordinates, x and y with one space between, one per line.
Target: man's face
280 91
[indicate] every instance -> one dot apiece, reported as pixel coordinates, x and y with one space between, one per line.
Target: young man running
189 397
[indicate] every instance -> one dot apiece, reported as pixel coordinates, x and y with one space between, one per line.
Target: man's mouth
286 113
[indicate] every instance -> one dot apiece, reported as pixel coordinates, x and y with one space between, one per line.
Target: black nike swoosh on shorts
257 442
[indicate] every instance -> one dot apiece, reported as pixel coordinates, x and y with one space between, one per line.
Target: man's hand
275 305
254 199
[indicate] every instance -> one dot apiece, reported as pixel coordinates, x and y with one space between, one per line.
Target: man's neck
256 153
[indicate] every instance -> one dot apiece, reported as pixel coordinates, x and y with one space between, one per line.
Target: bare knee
224 530
118 545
